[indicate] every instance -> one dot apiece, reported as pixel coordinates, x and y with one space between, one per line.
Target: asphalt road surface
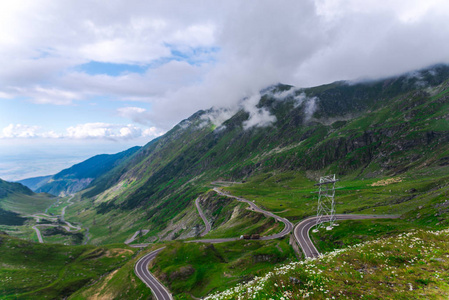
141 270
206 222
302 236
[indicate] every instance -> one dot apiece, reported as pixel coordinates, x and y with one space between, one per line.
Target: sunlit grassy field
293 196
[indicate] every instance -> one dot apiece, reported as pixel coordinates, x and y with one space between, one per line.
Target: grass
23 232
411 265
231 218
26 204
11 218
61 236
286 194
116 224
109 227
119 284
291 195
397 260
430 211
34 271
198 269
350 233
56 207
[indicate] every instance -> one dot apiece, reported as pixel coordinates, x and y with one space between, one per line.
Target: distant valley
77 177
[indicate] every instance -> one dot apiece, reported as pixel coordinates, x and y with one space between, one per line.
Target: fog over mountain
118 74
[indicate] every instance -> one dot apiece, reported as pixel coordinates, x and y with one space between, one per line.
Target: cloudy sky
79 78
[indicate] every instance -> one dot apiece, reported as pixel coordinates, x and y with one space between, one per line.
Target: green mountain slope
357 130
79 176
16 200
8 188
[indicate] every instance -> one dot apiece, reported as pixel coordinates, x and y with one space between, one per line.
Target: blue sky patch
111 69
194 56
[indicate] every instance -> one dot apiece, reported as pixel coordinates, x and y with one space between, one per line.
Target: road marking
141 270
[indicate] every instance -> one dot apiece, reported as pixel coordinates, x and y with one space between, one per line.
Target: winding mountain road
141 270
301 234
69 226
287 228
301 231
288 225
160 291
201 213
39 235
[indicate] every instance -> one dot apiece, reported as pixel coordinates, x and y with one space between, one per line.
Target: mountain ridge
365 130
78 176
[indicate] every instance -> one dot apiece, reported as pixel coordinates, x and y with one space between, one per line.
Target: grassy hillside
25 204
193 270
292 195
119 284
8 188
36 271
17 200
199 269
407 266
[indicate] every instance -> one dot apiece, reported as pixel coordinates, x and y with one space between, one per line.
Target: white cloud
50 135
310 107
86 131
248 45
103 131
258 117
299 99
4 95
110 131
152 132
130 111
218 115
195 35
284 94
19 131
122 51
43 95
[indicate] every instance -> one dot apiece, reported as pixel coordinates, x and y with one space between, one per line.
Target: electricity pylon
326 202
